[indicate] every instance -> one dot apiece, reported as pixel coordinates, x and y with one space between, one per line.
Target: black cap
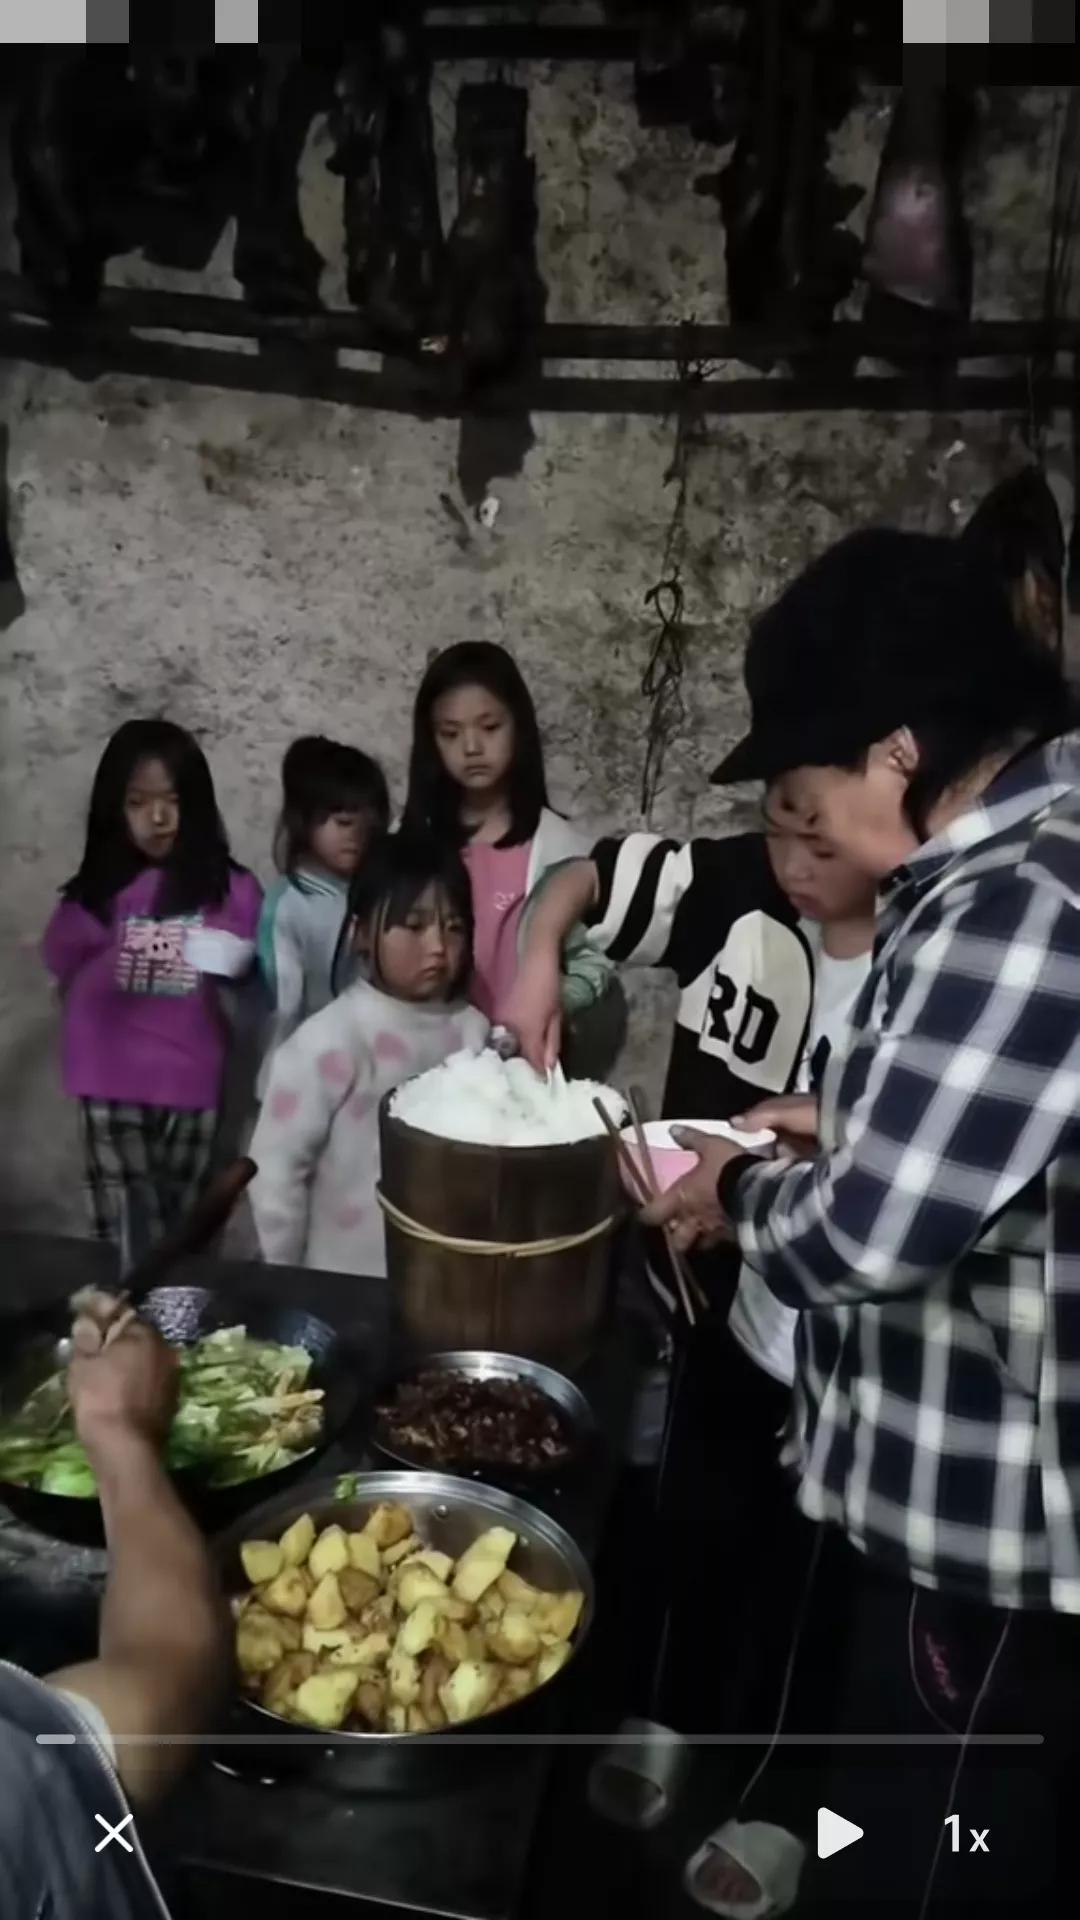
885 630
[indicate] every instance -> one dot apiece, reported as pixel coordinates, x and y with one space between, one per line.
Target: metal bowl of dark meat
484 1416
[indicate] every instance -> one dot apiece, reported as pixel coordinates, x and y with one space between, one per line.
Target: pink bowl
670 1162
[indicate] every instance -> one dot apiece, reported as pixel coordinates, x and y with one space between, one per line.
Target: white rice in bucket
488 1102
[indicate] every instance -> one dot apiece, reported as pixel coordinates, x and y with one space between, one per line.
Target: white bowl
671 1162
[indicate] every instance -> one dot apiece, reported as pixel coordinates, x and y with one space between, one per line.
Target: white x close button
114 1833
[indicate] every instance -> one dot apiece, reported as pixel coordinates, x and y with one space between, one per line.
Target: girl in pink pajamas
316 1144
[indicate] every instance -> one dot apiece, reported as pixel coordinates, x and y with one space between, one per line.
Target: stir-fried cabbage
244 1409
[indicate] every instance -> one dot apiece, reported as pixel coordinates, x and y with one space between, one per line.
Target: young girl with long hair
156 916
334 802
476 780
316 1144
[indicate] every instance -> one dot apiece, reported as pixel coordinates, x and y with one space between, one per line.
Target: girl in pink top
155 918
476 780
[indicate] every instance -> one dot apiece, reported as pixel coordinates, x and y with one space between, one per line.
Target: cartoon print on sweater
150 958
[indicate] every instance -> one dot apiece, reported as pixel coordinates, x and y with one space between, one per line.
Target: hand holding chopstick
685 1283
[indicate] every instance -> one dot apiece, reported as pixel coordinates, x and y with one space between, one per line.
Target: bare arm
567 894
534 1009
163 1651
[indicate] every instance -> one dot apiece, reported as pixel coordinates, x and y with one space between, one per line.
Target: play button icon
834 1833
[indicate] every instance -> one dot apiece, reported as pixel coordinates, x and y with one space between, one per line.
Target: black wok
182 1315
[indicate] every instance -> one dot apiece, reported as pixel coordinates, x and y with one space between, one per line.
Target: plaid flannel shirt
934 1246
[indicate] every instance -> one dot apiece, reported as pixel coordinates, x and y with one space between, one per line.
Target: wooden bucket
545 1306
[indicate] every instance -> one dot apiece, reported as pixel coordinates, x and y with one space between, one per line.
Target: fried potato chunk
517 1592
454 1642
421 1628
362 1650
287 1594
287 1630
258 1648
400 1550
370 1702
329 1554
261 1560
325 1698
469 1691
436 1672
326 1606
557 1615
417 1583
364 1555
514 1638
379 1616
297 1541
388 1524
358 1589
516 1683
325 1639
551 1661
440 1564
482 1563
280 1687
404 1677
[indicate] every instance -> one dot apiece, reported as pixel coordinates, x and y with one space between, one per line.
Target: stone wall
258 567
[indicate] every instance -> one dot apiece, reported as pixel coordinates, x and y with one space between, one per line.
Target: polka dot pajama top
316 1144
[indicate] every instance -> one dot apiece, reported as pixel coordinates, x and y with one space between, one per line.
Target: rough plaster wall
257 567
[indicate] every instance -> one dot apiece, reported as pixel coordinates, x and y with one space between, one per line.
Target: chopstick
646 1195
688 1285
626 1158
633 1101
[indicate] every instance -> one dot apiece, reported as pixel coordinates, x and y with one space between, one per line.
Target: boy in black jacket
738 921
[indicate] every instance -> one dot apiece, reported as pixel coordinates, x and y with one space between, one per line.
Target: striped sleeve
642 880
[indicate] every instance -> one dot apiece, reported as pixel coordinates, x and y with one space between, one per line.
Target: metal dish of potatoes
397 1613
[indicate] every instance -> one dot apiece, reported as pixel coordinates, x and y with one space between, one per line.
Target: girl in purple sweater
155 918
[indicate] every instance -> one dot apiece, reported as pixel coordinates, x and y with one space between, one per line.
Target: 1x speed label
978 1836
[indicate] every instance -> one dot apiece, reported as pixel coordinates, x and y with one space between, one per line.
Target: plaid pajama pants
144 1166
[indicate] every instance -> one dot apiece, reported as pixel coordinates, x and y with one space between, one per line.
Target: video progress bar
446 1739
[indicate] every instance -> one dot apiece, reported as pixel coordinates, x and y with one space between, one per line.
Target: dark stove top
460 1848
49 1597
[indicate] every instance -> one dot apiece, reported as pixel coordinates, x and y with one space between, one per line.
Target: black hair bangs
433 801
321 778
397 871
198 871
401 899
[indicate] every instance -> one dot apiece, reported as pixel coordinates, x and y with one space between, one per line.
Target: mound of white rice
488 1102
